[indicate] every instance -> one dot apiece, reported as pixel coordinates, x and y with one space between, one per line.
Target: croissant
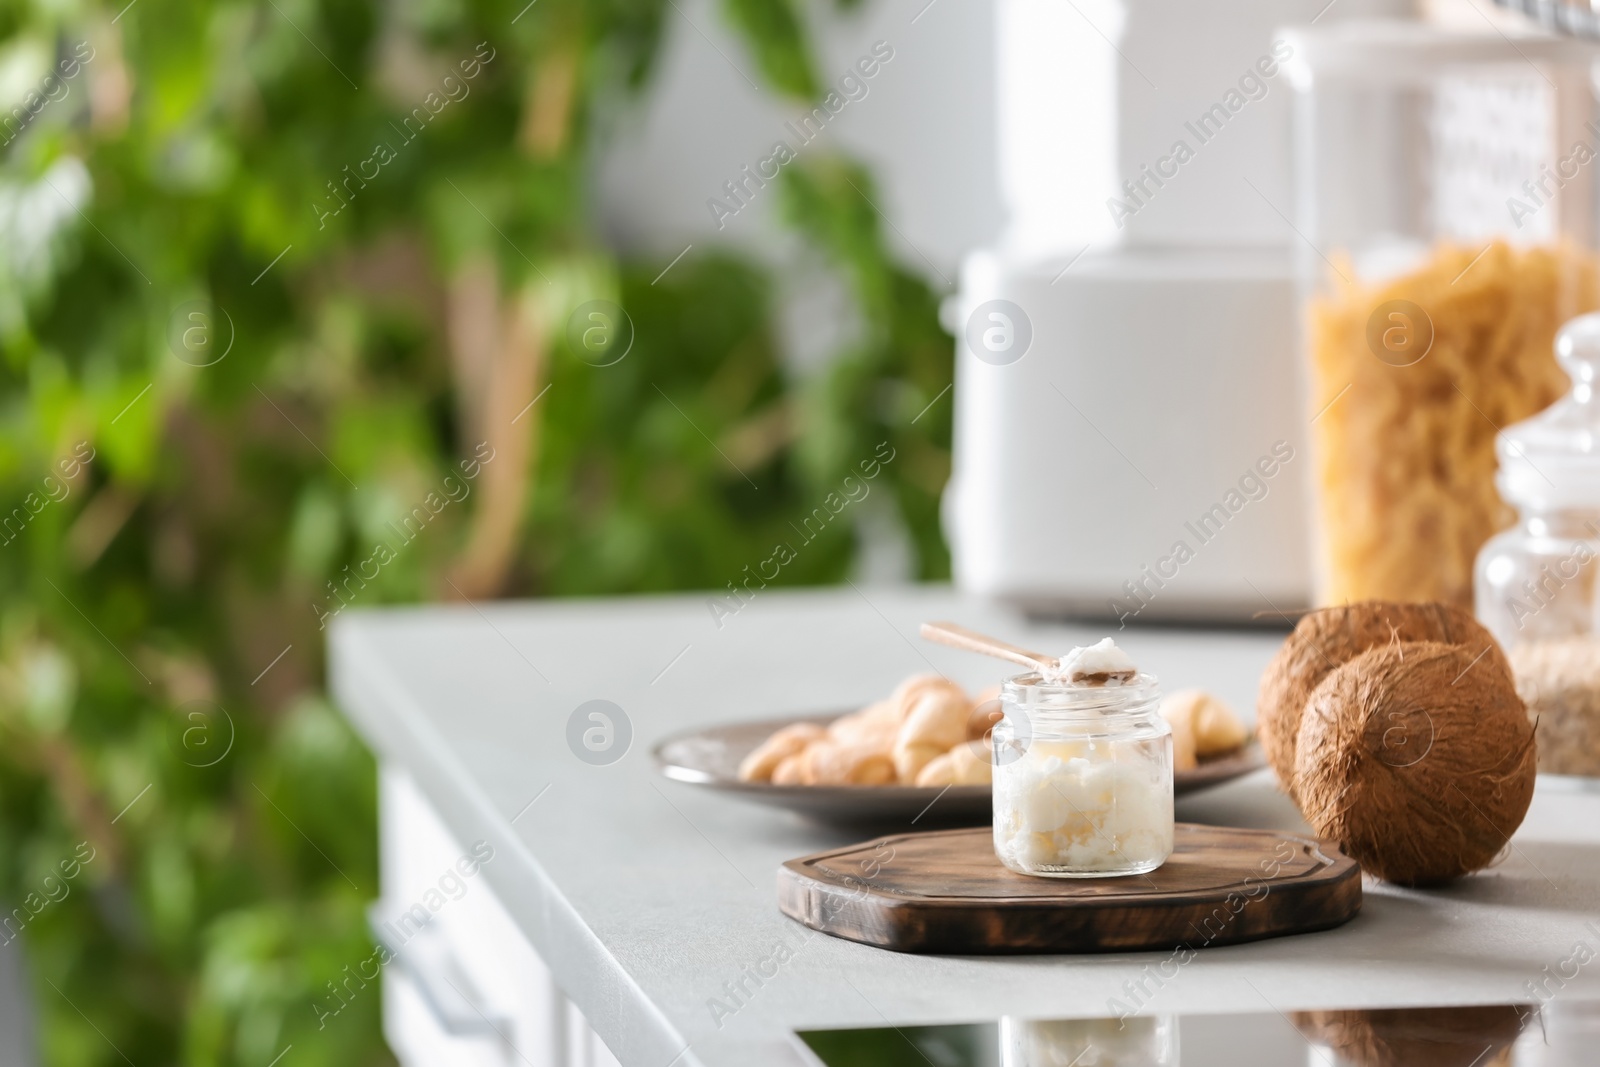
962 765
937 723
787 772
830 762
876 725
908 692
1212 724
1184 757
895 739
759 765
985 713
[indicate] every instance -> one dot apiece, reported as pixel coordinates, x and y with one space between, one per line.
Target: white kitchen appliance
1130 433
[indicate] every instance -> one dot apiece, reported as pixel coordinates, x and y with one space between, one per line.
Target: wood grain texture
946 892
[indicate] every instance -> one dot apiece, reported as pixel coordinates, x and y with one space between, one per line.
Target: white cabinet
464 988
17 1045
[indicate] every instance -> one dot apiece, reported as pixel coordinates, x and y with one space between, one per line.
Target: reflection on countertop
1554 1034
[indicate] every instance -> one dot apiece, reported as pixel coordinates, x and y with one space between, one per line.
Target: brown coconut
1417 759
1417 1037
1325 639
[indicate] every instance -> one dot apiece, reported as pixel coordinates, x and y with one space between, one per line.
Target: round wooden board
946 892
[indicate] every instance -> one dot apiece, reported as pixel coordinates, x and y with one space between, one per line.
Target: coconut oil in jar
1134 1041
1083 775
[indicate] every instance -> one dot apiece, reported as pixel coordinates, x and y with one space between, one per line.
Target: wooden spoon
948 633
1049 667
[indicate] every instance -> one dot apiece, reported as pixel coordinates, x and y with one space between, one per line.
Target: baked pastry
791 740
928 732
831 762
1212 726
1183 745
909 691
876 724
936 723
985 713
787 772
963 765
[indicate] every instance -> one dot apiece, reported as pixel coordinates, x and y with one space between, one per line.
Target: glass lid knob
1578 352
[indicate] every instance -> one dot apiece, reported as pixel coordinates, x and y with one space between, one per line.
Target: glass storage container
1536 581
1082 778
1446 223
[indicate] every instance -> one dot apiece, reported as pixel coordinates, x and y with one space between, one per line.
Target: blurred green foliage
907 1046
273 356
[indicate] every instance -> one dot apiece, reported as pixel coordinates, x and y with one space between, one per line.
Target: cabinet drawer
460 960
419 1036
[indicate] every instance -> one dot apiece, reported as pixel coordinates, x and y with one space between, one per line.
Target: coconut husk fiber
1325 639
1417 759
1416 1037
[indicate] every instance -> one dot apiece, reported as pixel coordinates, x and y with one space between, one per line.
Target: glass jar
1447 225
1082 778
1536 582
1134 1041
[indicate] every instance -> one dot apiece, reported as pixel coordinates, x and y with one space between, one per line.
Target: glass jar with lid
1538 582
1448 219
1082 778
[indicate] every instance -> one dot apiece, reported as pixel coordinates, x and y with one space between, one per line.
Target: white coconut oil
1082 778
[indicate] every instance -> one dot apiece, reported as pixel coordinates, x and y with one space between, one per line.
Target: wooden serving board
946 892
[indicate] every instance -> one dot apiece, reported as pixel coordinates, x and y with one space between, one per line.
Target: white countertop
645 896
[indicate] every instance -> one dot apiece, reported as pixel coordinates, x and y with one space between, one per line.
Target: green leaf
774 33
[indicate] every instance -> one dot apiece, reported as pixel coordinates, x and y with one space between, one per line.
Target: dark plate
711 757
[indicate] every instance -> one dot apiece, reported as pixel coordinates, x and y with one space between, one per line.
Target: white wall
925 126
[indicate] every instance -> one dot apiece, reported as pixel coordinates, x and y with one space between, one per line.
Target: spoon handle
948 633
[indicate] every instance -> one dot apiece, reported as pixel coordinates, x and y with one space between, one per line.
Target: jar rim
1031 691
